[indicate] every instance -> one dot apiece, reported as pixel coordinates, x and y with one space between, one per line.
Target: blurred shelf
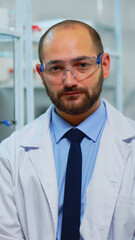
109 86
5 34
6 54
6 85
10 85
114 54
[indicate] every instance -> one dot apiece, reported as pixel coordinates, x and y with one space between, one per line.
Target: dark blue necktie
72 195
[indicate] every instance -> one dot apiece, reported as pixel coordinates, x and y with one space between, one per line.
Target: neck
76 119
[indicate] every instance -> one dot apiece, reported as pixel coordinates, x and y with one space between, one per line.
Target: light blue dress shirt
93 127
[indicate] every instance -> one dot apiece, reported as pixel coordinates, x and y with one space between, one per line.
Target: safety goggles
80 67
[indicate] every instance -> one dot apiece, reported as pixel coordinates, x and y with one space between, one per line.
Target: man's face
72 97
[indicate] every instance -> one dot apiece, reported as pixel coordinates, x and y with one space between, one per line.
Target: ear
40 74
106 65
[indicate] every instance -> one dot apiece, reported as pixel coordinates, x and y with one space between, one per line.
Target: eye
82 65
54 69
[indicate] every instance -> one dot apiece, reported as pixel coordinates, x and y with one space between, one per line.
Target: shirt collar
90 126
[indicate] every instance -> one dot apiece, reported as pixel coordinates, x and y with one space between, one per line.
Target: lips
71 93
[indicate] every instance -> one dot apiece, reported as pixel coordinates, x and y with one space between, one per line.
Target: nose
69 78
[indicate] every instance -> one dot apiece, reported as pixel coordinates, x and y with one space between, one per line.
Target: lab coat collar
36 131
120 126
43 163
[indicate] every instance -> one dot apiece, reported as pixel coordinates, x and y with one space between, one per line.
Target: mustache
72 89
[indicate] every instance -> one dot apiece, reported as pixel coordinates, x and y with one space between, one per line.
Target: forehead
67 43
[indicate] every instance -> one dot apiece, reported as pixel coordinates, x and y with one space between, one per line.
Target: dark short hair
71 24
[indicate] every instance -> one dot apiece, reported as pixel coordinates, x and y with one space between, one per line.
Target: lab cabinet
11 73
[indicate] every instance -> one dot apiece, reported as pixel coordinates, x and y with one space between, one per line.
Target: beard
70 106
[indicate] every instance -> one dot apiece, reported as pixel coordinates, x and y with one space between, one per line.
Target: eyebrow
74 59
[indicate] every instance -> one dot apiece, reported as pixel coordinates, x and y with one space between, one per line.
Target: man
34 160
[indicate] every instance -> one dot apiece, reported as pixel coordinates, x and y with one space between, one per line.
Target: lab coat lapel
104 187
43 162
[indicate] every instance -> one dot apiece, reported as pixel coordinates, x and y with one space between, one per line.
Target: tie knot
74 135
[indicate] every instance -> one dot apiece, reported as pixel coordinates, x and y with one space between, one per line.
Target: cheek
93 83
95 79
90 83
52 87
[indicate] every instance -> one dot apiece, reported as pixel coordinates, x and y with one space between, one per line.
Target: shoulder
131 122
120 125
29 135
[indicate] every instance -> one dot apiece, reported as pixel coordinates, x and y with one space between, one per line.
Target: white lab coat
28 184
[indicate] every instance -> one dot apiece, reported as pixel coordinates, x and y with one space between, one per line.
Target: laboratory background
22 22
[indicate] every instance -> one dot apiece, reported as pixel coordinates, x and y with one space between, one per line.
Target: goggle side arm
41 68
